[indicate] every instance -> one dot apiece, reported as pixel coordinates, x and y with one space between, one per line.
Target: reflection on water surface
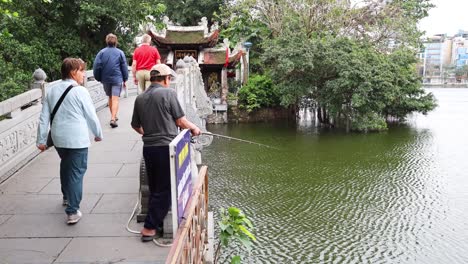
399 196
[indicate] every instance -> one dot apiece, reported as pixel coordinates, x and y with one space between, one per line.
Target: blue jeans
158 173
73 165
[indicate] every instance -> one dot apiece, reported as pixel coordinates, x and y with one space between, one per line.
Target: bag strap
57 105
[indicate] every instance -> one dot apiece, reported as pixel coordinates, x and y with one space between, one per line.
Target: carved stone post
39 77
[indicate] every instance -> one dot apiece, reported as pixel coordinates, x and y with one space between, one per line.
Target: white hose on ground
137 232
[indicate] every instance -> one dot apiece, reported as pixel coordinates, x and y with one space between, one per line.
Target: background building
433 57
443 58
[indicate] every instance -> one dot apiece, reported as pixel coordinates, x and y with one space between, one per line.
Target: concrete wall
237 115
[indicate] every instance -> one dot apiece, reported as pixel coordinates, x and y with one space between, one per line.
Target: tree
239 26
348 60
5 14
189 12
461 72
351 83
46 32
258 93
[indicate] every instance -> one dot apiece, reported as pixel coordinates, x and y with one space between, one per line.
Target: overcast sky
447 17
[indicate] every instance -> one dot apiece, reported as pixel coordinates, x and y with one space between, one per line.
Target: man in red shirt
144 58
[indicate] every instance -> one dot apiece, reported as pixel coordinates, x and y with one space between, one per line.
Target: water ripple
396 197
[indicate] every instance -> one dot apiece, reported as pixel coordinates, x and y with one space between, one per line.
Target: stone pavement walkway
32 218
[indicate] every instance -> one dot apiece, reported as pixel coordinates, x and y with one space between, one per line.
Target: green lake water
399 196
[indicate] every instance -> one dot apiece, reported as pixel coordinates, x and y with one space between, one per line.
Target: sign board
181 176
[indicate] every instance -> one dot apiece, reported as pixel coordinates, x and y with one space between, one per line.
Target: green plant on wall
234 226
257 93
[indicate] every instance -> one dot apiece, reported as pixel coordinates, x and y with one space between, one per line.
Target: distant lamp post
247 46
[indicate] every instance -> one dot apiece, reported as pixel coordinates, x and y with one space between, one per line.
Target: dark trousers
159 182
73 165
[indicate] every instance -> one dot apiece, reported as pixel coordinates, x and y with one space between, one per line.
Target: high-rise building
460 49
435 50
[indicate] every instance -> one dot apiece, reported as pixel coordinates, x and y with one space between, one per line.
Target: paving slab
98 185
111 250
48 157
96 170
19 185
114 157
53 225
41 204
138 146
130 170
4 218
38 170
116 203
36 250
32 219
108 145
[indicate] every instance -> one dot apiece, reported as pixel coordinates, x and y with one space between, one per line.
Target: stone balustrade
18 131
20 118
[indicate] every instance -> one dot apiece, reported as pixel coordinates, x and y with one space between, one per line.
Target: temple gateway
217 63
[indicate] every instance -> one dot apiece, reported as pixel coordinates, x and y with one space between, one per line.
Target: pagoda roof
185 36
218 57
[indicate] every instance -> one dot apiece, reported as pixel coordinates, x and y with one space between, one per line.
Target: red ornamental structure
176 42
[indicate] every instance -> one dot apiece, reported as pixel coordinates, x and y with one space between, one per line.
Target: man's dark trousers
159 182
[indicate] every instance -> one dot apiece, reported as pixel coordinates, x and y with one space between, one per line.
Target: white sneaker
74 218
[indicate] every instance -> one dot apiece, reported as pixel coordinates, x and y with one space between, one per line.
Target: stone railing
191 93
20 118
191 241
18 131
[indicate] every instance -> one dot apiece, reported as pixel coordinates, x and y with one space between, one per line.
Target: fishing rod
236 139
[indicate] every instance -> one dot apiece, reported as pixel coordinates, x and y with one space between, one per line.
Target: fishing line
237 139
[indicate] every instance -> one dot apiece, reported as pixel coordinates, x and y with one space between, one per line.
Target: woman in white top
75 116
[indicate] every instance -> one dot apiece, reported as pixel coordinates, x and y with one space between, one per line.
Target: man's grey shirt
156 111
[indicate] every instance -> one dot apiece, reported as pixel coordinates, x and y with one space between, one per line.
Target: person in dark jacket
157 115
110 68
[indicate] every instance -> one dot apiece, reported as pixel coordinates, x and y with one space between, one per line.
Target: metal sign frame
181 176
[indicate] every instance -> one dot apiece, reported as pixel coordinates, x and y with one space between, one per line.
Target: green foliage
291 59
342 62
234 225
369 122
239 25
190 12
350 80
5 15
259 92
45 32
460 72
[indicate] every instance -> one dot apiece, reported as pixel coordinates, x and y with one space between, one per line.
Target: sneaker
113 124
74 218
65 202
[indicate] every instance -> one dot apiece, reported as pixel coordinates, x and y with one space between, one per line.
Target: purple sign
183 172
